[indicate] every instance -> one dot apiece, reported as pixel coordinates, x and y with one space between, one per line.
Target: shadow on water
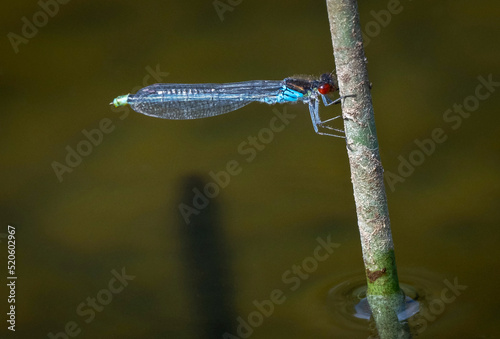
206 262
338 303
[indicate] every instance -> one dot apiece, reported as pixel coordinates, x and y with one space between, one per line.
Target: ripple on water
339 306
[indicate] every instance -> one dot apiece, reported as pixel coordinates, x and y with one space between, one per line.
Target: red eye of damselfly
325 89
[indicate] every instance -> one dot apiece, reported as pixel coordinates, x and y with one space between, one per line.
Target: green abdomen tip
121 100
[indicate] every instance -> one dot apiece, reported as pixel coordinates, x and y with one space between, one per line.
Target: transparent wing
194 101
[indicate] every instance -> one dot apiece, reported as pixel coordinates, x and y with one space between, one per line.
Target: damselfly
194 101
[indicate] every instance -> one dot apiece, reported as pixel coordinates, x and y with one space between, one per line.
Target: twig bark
384 294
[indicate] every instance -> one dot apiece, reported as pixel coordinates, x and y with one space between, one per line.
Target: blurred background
129 226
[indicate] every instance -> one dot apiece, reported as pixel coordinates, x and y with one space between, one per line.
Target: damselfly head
327 84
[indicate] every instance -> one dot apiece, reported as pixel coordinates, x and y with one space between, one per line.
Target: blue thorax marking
289 95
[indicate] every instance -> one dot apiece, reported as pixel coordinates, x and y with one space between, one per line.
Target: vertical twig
384 294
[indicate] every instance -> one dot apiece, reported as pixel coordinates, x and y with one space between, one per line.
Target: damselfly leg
317 122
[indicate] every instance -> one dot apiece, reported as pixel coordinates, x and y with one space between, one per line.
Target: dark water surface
113 238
